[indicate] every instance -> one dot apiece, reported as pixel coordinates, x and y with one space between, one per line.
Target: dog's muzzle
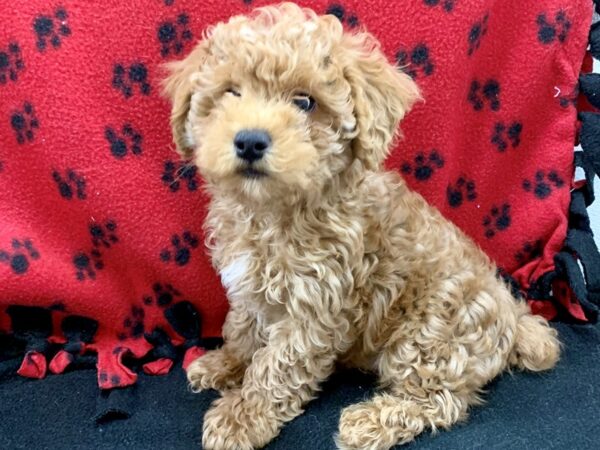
251 145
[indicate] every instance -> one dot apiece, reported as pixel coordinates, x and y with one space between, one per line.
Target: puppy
327 258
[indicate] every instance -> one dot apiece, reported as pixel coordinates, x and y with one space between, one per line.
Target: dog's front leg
224 368
281 379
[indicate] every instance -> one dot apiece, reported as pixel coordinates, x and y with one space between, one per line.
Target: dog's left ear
382 95
178 87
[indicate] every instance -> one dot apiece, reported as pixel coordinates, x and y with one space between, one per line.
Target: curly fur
328 259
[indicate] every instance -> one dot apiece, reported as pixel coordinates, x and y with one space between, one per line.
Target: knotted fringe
577 265
118 366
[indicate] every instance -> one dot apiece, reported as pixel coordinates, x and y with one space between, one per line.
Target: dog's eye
233 92
304 102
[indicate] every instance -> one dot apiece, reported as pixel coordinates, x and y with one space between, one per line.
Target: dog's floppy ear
178 87
382 95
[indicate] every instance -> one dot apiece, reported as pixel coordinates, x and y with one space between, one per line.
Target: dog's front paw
231 425
215 370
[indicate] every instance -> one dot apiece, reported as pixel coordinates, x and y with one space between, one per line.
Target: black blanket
555 410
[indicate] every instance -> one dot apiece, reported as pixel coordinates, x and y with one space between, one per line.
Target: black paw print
542 185
416 60
447 4
566 100
51 29
491 94
464 188
129 140
548 32
478 30
337 10
173 35
174 174
19 258
181 251
505 133
103 234
498 220
168 2
86 264
424 166
70 183
115 380
163 295
24 123
133 324
11 63
529 251
126 77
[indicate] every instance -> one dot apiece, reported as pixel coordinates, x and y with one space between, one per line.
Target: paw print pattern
133 324
337 10
566 100
86 264
129 140
19 258
168 2
163 295
173 35
182 245
415 61
175 174
51 29
543 184
478 30
125 78
115 380
70 184
464 188
529 252
548 32
503 134
424 166
24 123
11 63
103 235
499 219
448 5
489 92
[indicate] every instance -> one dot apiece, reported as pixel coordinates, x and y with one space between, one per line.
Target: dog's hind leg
395 417
536 345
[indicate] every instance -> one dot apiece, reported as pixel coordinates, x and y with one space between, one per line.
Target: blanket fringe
118 365
573 286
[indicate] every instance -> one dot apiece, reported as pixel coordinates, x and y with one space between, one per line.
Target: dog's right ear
178 87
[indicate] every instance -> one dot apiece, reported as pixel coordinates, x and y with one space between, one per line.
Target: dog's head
282 101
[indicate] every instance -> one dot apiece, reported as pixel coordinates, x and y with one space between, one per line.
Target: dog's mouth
251 173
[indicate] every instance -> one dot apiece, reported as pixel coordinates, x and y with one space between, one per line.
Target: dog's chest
235 274
256 279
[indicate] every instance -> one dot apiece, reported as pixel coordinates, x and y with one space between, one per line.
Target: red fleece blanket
101 224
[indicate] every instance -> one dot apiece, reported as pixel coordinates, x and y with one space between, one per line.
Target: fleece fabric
101 225
556 410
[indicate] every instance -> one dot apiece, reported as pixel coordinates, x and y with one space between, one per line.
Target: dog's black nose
251 145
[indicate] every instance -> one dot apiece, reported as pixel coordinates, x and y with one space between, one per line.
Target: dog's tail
536 346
